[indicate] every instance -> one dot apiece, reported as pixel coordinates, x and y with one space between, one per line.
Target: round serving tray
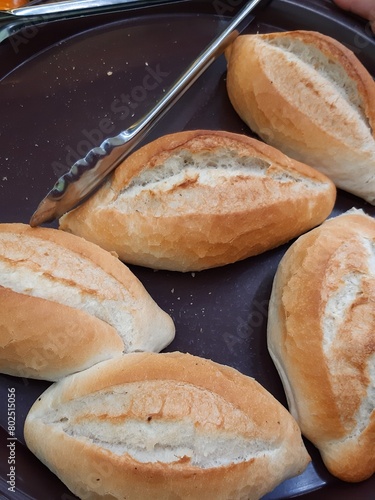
67 84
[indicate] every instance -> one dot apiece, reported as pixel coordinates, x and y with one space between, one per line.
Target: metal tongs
12 21
88 173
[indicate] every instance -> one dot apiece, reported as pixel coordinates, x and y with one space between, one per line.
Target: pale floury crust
68 304
165 426
200 199
309 96
321 336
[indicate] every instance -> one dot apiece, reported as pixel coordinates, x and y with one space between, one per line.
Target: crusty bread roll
321 336
199 199
162 426
309 96
67 304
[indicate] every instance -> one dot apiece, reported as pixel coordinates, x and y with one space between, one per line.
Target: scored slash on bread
68 304
161 426
309 96
321 336
200 199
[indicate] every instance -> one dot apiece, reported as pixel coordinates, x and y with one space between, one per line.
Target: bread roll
199 199
309 96
162 426
321 336
67 304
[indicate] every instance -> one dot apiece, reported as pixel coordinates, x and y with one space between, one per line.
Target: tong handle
14 20
87 174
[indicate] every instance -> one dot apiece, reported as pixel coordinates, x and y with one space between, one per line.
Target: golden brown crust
336 51
109 263
156 152
258 414
68 304
45 340
309 96
194 224
321 337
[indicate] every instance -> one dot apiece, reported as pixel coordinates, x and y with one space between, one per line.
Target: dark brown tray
62 88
